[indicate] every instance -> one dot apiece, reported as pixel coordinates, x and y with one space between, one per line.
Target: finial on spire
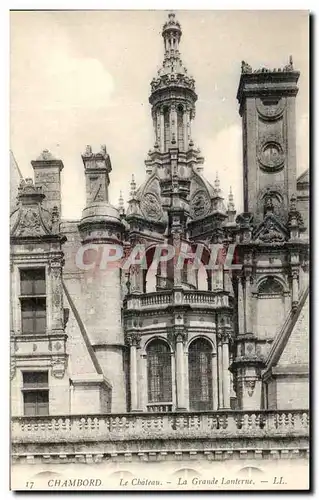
121 208
231 205
217 183
133 187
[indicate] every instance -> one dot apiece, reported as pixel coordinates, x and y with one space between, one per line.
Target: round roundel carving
271 155
200 204
151 206
271 109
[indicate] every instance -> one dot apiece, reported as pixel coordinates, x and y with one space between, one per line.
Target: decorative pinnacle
133 187
231 205
121 208
217 183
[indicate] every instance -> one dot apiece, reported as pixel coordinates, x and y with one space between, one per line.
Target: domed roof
100 211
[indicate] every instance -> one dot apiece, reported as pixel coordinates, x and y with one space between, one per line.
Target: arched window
270 297
159 372
200 375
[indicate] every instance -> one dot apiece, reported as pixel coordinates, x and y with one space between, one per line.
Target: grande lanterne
131 367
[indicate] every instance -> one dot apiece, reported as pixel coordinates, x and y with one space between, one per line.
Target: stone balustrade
146 426
161 299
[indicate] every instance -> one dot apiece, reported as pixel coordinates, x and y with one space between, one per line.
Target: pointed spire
133 188
231 205
121 208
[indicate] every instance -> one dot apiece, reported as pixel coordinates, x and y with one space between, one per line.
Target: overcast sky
83 77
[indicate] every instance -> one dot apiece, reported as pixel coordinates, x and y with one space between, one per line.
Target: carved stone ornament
58 367
151 206
271 155
250 385
270 108
30 224
200 204
133 339
270 234
12 369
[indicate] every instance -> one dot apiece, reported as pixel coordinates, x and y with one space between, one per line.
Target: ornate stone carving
250 385
58 366
133 339
151 206
270 234
200 204
177 335
30 224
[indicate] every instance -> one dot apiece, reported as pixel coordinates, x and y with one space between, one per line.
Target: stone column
173 124
180 371
161 121
226 379
55 308
241 308
185 129
133 340
176 269
295 287
215 381
142 383
157 126
220 372
248 299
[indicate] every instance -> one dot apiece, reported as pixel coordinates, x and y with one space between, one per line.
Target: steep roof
15 178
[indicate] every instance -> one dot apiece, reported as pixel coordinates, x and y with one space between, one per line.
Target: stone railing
147 426
156 299
178 297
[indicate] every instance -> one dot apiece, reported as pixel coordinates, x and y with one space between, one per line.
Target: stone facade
197 357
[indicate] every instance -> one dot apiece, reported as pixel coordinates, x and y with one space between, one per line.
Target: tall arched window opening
159 372
200 375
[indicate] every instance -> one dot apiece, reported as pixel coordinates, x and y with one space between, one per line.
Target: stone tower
101 230
169 321
267 107
271 286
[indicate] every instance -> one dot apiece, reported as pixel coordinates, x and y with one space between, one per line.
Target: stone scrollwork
133 339
30 223
151 206
200 204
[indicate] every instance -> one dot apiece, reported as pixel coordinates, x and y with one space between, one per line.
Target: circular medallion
200 204
151 206
271 155
271 109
